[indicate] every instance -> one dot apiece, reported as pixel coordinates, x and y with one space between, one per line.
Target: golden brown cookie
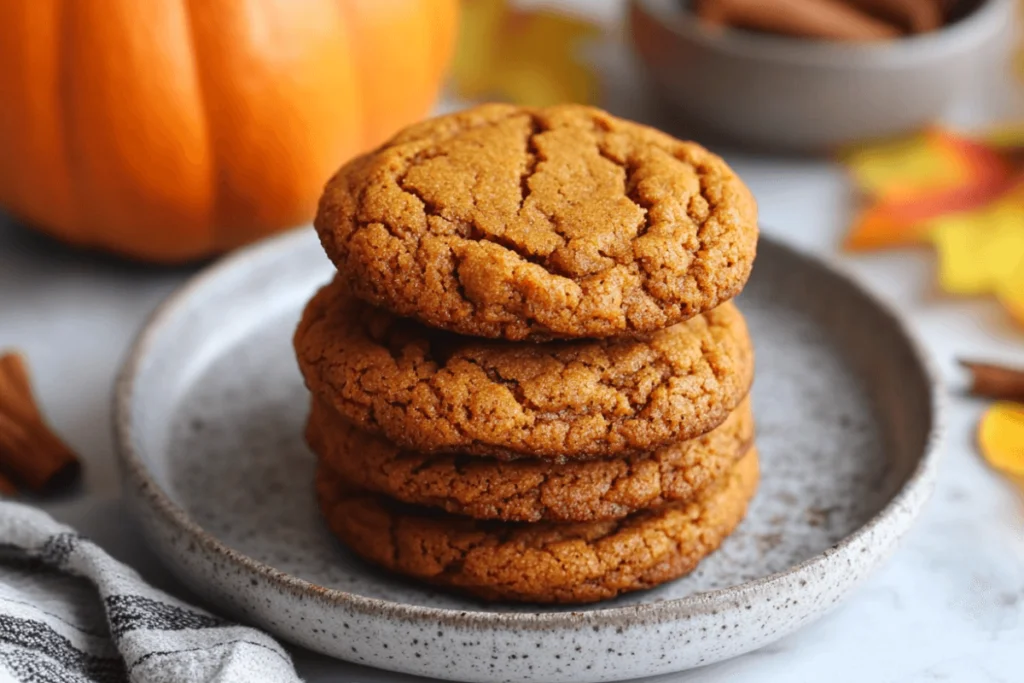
432 391
542 562
529 490
562 222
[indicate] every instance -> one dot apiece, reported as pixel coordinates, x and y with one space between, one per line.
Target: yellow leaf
1001 437
529 57
980 251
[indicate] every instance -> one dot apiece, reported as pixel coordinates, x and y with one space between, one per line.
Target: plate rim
134 471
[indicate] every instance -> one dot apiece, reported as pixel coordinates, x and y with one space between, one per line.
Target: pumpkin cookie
431 391
529 490
542 562
517 223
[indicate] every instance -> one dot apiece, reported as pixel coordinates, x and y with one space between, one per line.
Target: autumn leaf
1001 437
909 183
933 160
963 195
982 251
530 57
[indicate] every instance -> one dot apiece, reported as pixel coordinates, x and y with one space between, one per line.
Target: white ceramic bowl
805 95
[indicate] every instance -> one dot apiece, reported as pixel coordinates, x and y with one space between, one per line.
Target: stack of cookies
528 380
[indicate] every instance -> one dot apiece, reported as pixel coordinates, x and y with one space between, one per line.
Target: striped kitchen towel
70 613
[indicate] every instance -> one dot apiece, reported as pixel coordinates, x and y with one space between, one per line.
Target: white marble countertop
948 607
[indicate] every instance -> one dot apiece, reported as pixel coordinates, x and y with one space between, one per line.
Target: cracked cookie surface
529 490
431 391
541 562
562 222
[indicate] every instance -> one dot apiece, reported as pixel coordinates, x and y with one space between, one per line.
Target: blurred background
138 141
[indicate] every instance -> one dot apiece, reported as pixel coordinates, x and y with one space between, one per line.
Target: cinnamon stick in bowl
914 16
824 19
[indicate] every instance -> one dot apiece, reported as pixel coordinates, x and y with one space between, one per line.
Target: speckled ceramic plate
210 411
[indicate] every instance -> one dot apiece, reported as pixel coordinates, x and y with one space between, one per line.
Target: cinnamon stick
999 382
31 454
915 16
827 19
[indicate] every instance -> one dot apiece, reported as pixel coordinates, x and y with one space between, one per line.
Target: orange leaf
1001 437
881 227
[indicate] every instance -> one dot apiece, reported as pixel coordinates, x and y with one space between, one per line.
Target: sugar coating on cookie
432 391
529 490
561 222
541 562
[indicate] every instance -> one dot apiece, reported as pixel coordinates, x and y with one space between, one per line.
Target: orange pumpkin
169 130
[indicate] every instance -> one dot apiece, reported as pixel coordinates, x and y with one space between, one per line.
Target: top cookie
517 223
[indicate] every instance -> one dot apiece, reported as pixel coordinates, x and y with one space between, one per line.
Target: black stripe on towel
39 638
133 612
